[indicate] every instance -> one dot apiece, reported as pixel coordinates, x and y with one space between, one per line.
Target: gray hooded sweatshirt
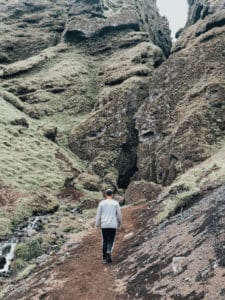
108 214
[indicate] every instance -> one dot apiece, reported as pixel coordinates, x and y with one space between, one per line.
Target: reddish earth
82 275
8 197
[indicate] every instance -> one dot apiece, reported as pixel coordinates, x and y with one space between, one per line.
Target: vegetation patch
208 175
29 250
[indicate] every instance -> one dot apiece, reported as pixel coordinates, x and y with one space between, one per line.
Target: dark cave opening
127 166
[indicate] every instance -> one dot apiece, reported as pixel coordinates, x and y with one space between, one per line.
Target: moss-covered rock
22 211
17 265
22 251
88 182
41 204
142 190
29 250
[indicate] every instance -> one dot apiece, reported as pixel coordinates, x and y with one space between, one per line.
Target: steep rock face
93 19
77 70
27 27
123 39
201 9
184 116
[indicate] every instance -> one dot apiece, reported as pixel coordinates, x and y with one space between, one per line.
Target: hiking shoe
108 258
105 261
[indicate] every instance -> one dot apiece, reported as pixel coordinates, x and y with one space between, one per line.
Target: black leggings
108 236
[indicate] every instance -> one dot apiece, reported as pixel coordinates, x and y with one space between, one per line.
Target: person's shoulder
115 202
102 202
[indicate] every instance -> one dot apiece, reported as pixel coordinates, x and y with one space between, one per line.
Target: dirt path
88 279
82 275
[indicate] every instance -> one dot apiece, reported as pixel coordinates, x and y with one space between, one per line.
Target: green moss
90 200
5 224
17 265
35 249
69 229
22 251
28 251
41 204
88 182
22 211
104 163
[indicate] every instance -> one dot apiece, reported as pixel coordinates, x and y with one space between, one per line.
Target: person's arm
98 216
119 215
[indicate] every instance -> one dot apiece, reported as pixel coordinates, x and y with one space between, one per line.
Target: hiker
109 219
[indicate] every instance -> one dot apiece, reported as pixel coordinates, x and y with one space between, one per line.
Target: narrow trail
82 275
88 278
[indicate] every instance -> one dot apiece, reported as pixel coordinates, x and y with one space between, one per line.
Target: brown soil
8 197
82 275
87 277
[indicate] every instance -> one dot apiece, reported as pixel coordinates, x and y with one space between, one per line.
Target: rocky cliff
128 40
94 95
73 75
182 120
181 146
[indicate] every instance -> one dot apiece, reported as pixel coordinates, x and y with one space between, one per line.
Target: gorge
94 94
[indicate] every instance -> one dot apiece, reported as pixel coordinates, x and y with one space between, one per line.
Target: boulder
178 265
140 190
88 182
41 204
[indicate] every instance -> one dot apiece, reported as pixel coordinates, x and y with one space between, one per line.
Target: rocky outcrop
183 118
202 17
142 191
179 258
97 18
30 26
126 61
200 9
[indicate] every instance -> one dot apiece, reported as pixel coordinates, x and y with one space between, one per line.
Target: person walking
109 218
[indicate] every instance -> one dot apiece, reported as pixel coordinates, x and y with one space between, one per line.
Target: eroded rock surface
179 258
184 115
126 61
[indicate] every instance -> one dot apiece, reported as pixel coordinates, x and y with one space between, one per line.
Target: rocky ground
77 270
94 95
183 258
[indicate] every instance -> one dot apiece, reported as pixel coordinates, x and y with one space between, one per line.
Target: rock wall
183 118
73 75
27 27
123 38
199 10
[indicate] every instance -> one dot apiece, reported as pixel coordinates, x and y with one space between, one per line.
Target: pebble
73 246
128 236
42 258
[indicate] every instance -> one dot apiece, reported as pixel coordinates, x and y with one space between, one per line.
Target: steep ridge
181 146
122 36
182 120
92 96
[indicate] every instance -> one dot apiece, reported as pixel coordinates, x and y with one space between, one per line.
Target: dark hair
108 192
